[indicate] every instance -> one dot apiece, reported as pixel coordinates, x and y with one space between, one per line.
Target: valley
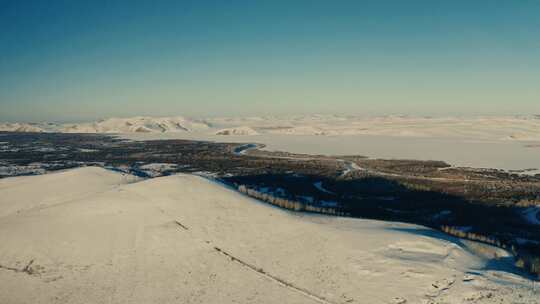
492 206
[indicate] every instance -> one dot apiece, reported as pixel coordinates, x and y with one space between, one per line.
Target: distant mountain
138 125
21 127
513 128
114 125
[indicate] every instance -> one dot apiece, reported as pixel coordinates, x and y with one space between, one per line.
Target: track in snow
281 282
260 271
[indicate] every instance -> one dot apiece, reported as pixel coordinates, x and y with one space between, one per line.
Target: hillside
105 238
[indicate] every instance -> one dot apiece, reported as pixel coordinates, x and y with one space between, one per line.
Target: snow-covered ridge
114 125
138 125
507 128
21 127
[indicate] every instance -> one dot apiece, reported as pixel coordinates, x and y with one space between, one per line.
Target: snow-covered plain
89 235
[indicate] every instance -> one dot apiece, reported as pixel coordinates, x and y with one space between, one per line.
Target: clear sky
81 60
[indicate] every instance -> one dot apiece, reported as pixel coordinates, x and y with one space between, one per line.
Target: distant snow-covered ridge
21 127
512 128
114 125
138 125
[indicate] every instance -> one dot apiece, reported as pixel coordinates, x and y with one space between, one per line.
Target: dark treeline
383 199
290 204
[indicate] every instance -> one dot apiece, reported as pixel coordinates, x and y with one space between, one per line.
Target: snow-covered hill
114 125
243 130
93 236
20 127
137 125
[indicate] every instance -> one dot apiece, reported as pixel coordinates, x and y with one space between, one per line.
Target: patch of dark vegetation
382 198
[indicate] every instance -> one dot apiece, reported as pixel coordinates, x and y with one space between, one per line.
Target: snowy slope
100 238
41 191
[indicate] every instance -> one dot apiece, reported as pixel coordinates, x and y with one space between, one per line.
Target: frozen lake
502 154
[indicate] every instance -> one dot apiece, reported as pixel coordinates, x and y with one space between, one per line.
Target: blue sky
82 60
